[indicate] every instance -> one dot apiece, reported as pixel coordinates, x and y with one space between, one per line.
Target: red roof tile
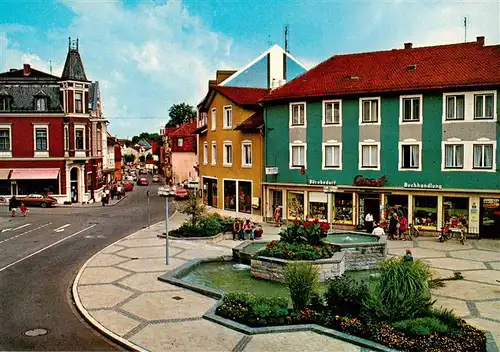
437 67
242 95
185 130
254 122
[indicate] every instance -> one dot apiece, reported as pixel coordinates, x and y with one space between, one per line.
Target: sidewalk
118 292
112 202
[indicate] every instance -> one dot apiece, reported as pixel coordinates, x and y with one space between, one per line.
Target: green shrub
421 326
283 250
208 226
344 296
401 293
302 279
447 316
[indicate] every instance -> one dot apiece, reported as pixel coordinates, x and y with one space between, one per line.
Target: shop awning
4 174
34 174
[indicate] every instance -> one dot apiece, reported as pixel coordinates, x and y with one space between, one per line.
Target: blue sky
151 54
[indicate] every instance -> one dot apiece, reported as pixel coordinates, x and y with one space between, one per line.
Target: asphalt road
39 258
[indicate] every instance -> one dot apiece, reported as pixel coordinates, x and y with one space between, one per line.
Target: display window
342 208
396 204
230 195
456 211
425 212
318 205
490 217
295 205
210 192
244 197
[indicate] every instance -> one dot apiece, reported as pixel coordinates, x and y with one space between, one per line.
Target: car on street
156 178
142 181
163 191
129 178
128 187
38 200
181 193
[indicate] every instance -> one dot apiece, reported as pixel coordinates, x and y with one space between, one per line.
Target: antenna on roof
50 66
286 37
269 42
465 28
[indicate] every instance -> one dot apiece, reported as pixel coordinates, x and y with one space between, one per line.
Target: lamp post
331 190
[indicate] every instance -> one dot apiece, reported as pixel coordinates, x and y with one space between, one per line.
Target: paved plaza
118 292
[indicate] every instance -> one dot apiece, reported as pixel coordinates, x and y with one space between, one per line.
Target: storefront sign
322 182
360 180
422 185
271 170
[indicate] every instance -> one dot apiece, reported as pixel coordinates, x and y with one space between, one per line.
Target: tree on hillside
180 113
155 137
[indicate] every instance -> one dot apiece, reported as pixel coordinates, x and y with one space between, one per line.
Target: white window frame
483 94
80 153
214 153
213 119
290 159
7 153
244 144
41 153
360 155
334 101
290 116
400 150
454 141
323 149
180 141
379 119
225 155
205 153
470 106
445 106
493 157
402 98
226 109
44 102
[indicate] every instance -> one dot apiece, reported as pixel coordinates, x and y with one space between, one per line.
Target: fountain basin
363 251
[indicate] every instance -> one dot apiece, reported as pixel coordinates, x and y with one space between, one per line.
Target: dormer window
41 104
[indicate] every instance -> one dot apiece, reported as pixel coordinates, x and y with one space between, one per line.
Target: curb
86 315
89 205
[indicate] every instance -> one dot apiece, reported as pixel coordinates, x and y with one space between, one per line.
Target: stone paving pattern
119 289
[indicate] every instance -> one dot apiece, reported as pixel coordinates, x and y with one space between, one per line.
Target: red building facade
49 142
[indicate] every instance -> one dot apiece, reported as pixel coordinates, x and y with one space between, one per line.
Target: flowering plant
309 231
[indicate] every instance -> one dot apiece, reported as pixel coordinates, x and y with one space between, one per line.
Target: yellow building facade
231 150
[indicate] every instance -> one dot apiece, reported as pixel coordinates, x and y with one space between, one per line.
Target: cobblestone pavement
118 291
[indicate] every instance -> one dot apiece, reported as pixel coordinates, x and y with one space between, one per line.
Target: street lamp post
166 228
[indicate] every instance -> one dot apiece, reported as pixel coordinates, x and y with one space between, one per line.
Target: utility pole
465 28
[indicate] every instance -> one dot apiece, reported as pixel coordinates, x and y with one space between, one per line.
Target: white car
129 178
163 191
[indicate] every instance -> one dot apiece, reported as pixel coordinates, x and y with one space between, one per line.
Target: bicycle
412 232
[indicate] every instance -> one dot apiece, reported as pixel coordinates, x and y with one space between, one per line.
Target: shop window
43 187
295 205
5 187
343 208
244 197
456 210
425 212
490 217
396 204
318 205
230 195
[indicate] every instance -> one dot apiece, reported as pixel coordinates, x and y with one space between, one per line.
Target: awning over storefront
34 174
4 174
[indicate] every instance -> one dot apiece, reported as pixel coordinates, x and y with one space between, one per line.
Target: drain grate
177 298
36 332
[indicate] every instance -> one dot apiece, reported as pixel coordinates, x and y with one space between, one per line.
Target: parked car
172 191
129 178
38 200
143 182
163 191
181 193
128 187
156 178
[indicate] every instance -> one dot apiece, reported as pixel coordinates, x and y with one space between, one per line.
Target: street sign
272 170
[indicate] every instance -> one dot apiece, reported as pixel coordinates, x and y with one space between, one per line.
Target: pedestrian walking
277 215
369 222
13 205
24 209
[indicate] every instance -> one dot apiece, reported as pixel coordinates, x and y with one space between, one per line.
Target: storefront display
230 195
425 212
456 210
295 205
244 197
396 204
343 208
210 192
318 205
490 217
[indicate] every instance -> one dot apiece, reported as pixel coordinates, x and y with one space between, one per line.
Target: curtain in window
336 112
407 109
298 156
459 155
450 107
448 150
332 156
414 156
488 156
247 154
373 155
328 113
369 156
366 111
478 153
416 109
479 106
41 139
374 111
4 140
460 107
489 106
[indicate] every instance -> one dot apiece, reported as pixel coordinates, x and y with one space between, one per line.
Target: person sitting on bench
236 230
248 230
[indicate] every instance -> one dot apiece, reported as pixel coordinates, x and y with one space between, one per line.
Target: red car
38 200
143 182
128 187
181 193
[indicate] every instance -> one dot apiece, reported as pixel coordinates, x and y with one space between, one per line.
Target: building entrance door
489 225
369 203
74 184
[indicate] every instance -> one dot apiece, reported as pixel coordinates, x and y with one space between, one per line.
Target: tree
142 158
154 137
149 156
180 113
129 158
193 208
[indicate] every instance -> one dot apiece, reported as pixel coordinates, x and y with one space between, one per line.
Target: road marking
24 233
20 227
5 230
47 247
61 229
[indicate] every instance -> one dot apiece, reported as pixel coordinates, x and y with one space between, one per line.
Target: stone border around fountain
363 256
173 277
242 256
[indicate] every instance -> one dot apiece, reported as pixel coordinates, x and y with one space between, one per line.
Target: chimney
480 40
408 45
27 69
